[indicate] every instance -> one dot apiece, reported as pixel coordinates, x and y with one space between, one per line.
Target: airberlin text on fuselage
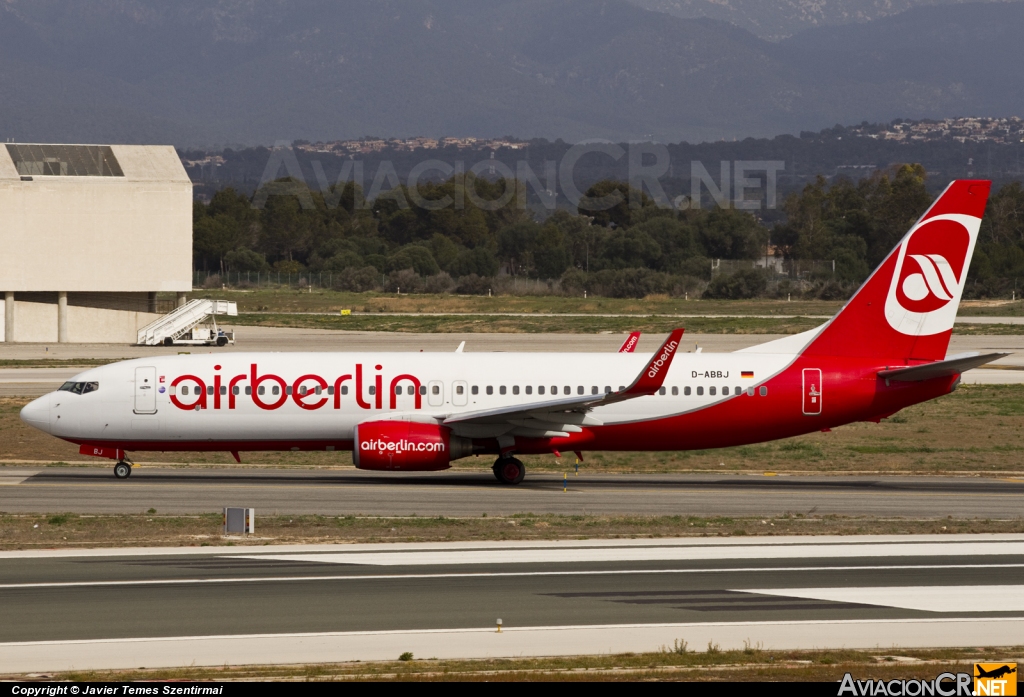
209 396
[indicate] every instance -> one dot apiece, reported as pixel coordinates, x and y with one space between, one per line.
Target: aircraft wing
558 417
629 345
954 365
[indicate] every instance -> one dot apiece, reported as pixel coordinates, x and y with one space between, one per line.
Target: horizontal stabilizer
954 365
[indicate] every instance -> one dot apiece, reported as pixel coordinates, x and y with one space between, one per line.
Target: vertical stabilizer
906 309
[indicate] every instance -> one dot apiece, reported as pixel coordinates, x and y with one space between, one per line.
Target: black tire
122 470
509 470
222 341
168 341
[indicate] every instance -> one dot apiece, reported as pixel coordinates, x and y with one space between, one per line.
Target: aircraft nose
37 413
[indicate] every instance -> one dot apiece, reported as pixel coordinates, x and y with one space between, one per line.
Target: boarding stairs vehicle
183 326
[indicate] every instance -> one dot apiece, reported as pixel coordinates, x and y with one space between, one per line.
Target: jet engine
406 445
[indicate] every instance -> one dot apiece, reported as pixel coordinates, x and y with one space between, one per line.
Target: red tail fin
906 309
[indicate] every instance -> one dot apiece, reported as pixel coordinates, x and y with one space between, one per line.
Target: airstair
183 325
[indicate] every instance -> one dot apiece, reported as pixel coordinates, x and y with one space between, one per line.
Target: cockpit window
79 387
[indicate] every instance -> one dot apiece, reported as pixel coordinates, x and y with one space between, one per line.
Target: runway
32 382
301 604
462 493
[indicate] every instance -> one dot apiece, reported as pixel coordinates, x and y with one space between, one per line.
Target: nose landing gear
123 470
509 470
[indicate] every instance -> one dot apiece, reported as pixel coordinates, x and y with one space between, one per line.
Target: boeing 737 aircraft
885 350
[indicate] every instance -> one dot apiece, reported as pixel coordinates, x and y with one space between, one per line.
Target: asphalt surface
461 493
303 592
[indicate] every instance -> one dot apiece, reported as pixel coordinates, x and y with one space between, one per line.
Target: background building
89 234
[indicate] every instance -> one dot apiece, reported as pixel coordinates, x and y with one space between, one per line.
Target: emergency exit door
812 391
145 390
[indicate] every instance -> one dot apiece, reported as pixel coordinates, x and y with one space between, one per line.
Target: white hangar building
89 234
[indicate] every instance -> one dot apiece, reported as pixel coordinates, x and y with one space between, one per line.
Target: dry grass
977 429
751 664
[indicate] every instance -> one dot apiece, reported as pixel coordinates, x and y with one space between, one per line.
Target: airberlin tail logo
929 275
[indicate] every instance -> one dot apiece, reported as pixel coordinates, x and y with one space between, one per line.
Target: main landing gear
123 470
509 470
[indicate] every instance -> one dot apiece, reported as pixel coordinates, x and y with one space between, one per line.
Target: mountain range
225 72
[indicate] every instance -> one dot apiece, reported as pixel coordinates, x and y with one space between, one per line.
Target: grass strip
69 530
679 662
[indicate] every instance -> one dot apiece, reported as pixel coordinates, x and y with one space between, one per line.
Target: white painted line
484 642
635 554
494 574
925 598
689 542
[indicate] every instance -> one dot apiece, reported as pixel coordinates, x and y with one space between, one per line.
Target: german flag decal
747 373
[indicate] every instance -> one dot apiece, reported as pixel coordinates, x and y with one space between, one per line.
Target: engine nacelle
406 445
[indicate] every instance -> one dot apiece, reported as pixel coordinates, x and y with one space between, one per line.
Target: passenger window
501 389
423 389
275 390
540 389
515 389
529 389
184 390
593 389
607 389
235 390
661 390
475 390
750 391
209 389
737 391
490 389
288 390
262 390
764 391
675 391
700 391
579 389
554 390
434 389
621 388
725 391
567 390
398 389
344 389
711 391
248 390
410 390
303 390
330 390
686 390
459 389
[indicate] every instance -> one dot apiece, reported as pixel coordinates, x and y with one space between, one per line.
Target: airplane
883 351
995 673
629 345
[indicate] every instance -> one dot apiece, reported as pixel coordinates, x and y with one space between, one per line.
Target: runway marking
632 554
925 598
491 574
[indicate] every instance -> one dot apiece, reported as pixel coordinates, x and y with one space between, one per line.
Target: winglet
461 346
653 375
629 345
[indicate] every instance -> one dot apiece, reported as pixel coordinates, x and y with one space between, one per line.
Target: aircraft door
435 393
460 393
812 391
145 390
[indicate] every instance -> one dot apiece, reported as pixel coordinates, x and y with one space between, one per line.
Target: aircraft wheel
509 470
122 470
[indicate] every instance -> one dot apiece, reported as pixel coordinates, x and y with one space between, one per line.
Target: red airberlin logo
401 446
933 266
